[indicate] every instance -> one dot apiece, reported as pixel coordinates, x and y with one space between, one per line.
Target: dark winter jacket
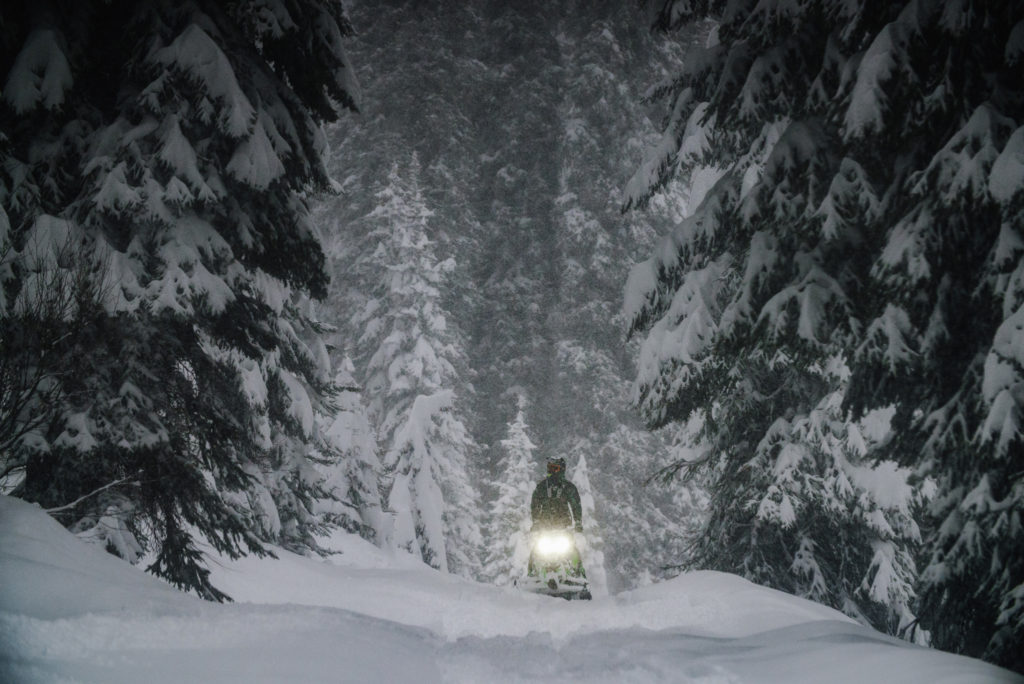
556 504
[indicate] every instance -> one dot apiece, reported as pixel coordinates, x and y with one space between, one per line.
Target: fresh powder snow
71 613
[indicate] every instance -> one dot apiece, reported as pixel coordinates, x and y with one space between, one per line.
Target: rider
556 501
555 505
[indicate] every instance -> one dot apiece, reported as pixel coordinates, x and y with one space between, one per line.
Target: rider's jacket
556 504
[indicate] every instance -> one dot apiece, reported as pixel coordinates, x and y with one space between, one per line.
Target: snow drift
71 613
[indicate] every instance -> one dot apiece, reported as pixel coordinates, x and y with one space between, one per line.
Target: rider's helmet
556 466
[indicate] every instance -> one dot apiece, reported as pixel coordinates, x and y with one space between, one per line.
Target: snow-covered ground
71 613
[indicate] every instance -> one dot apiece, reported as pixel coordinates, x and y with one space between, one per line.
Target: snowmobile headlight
552 544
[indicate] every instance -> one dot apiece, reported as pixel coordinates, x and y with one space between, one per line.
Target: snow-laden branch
123 480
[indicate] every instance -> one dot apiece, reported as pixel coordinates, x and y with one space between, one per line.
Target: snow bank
71 613
400 589
48 573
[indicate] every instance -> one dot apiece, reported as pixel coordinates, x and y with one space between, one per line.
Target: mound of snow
71 613
48 573
704 603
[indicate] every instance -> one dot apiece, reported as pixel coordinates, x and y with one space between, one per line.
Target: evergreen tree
591 544
512 108
173 147
413 360
353 472
507 551
844 525
868 211
943 342
40 325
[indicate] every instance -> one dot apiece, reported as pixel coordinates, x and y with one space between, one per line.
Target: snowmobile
555 568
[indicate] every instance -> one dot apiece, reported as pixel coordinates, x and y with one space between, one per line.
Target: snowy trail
71 613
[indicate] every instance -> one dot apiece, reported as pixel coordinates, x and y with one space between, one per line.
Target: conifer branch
68 506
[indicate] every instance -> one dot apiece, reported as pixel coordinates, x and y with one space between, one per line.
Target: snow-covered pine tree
413 359
592 544
845 525
532 214
944 341
353 472
40 324
748 299
174 145
301 407
507 546
869 210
